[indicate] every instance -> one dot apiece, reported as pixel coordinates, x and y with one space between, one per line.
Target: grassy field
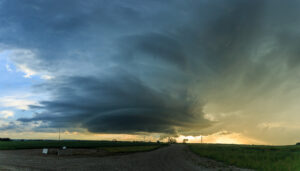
13 145
269 158
130 149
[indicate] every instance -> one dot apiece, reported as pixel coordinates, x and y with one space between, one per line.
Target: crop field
109 146
269 158
130 149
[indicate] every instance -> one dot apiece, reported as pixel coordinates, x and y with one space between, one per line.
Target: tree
4 139
171 140
185 140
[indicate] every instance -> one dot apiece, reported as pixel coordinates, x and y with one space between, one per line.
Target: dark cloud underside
144 66
120 104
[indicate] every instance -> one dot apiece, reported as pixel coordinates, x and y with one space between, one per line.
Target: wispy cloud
6 114
16 102
8 68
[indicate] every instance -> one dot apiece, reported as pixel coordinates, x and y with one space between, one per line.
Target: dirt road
171 158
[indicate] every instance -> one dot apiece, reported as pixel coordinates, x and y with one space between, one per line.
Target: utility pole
201 139
58 143
58 134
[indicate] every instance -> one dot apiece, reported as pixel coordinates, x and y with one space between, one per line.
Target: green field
130 149
270 158
106 145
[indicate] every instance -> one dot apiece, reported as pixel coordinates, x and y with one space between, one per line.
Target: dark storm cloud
154 45
119 104
144 66
55 30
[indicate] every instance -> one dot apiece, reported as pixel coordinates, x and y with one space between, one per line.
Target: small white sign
45 151
64 148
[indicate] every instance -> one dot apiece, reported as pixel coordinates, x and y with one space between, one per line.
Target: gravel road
171 158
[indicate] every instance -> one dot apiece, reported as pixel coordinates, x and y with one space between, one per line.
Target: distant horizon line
145 141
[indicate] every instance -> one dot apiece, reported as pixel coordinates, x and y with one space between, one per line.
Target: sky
226 71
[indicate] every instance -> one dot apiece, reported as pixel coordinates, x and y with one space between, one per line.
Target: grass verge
267 158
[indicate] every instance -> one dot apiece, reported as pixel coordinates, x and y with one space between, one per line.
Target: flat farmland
37 144
134 156
124 156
